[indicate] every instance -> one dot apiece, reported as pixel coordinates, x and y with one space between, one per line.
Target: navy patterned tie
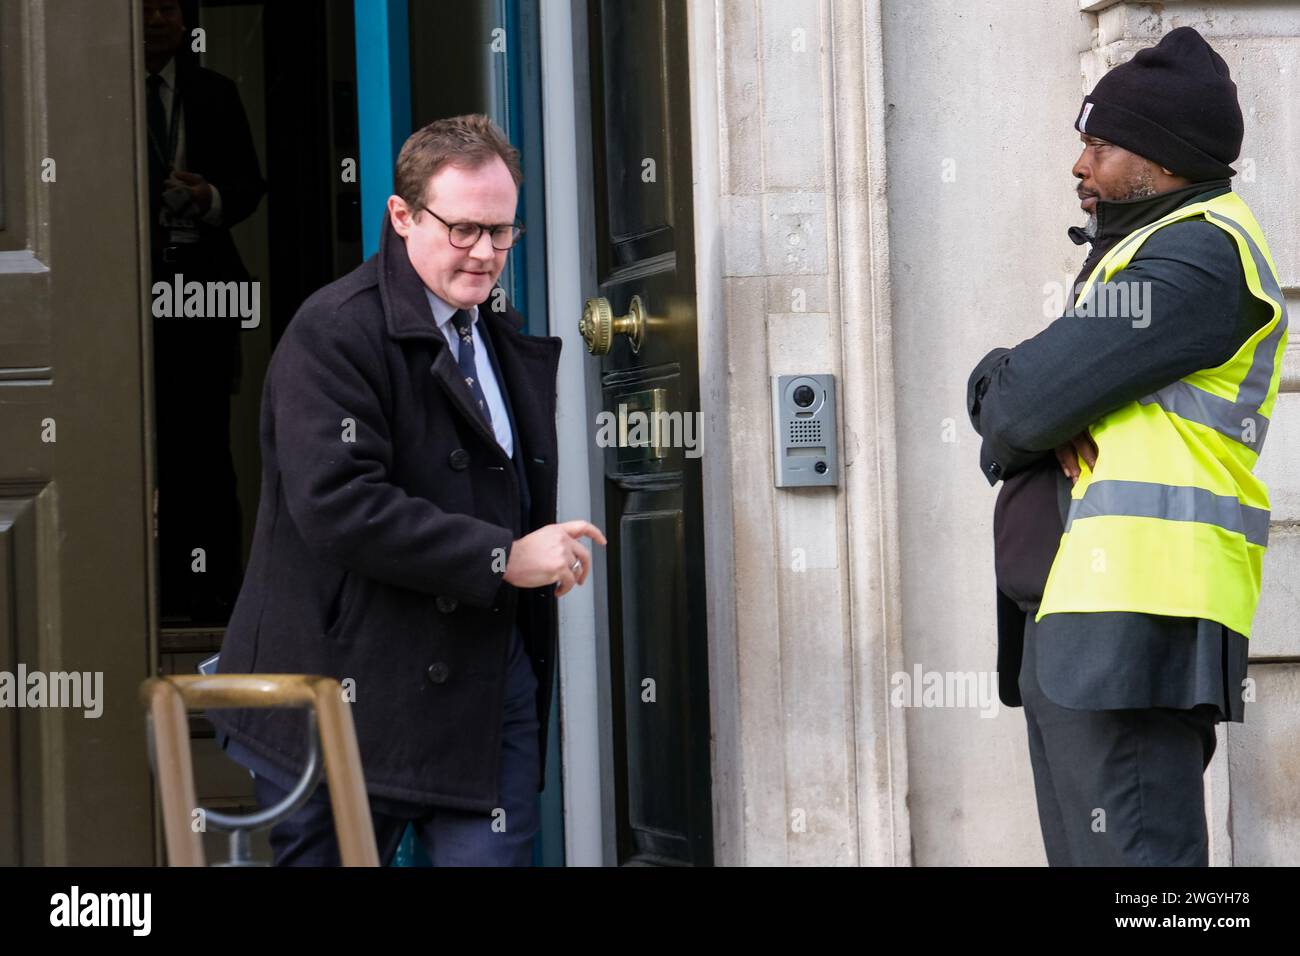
461 321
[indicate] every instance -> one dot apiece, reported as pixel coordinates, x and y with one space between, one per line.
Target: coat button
458 459
995 469
438 672
446 604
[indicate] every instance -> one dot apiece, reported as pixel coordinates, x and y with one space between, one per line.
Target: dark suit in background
196 360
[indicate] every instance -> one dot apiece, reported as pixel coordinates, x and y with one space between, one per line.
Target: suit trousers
450 837
1117 787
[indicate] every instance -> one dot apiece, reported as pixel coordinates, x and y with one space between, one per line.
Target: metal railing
168 699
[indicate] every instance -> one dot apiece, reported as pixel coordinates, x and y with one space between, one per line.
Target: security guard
1130 528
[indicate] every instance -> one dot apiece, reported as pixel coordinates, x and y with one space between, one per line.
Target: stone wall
883 193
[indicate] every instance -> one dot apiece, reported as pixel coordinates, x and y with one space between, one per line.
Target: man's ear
399 214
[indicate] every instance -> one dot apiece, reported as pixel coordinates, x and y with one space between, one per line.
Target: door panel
658 638
73 533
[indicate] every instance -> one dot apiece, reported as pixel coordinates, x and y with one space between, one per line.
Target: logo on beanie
1083 118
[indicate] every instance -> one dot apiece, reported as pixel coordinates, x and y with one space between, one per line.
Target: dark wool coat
387 514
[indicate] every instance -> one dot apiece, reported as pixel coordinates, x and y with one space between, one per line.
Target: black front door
649 425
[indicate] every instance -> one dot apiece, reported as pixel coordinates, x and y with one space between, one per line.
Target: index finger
1064 454
579 528
1086 448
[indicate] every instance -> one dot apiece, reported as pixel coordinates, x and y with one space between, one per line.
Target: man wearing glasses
406 541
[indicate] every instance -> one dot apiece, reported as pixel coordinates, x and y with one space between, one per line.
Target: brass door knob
599 325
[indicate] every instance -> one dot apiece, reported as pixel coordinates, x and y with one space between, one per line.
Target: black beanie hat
1173 103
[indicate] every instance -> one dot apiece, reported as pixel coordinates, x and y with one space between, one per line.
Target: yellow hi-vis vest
1173 520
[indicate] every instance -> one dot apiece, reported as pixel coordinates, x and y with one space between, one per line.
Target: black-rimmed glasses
465 235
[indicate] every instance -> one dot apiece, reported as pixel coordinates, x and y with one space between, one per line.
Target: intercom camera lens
820 467
804 396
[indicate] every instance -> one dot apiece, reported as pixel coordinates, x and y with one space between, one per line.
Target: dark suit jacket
197 363
219 147
381 558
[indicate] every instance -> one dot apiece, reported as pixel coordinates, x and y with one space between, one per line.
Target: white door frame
586 744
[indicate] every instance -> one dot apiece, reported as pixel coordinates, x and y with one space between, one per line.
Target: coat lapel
447 372
528 367
407 314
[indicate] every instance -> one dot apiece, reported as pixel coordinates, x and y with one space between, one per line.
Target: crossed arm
1185 293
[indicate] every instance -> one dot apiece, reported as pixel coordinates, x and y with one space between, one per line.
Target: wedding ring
576 566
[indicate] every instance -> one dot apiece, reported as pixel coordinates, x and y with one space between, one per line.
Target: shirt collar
1118 218
168 74
443 311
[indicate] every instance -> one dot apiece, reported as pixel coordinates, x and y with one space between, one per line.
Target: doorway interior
306 87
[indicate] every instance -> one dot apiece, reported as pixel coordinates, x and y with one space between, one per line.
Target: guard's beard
1141 186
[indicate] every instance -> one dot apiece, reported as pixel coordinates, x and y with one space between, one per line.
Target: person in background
204 178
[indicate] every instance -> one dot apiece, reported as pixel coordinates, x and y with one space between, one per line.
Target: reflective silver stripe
1255 384
1226 417
1142 499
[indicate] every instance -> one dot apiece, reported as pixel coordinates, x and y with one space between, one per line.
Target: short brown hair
468 141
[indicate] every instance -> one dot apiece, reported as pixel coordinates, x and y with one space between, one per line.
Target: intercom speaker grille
806 433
